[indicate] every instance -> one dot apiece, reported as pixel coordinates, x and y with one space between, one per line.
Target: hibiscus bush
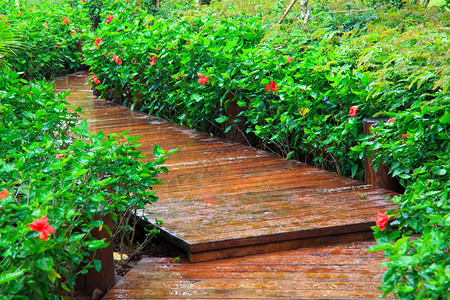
57 182
51 37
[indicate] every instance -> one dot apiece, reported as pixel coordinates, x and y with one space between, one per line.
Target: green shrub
50 35
59 171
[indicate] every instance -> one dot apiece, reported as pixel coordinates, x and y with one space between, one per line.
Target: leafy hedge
57 180
51 37
64 173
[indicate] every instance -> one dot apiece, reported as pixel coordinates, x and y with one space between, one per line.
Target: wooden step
343 271
223 199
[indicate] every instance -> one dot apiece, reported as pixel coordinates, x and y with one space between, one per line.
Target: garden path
222 199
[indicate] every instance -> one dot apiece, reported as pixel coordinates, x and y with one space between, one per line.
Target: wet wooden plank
343 271
226 199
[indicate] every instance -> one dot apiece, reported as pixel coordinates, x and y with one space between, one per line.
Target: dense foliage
301 90
60 171
57 180
50 35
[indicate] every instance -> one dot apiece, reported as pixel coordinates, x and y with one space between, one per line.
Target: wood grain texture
343 271
225 197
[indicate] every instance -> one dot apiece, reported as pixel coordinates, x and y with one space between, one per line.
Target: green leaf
445 119
97 265
44 263
404 176
290 154
65 287
158 151
221 119
404 261
4 278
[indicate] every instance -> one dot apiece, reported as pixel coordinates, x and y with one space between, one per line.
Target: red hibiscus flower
153 61
382 220
32 8
4 194
288 60
352 111
97 42
405 136
272 86
45 26
59 156
391 120
109 18
72 32
65 20
202 79
95 79
42 226
117 59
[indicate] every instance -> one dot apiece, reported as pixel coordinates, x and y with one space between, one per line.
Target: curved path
222 200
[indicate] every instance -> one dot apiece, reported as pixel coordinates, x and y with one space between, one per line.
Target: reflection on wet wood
223 199
341 271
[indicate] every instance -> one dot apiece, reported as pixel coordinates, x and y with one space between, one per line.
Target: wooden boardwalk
327 272
223 199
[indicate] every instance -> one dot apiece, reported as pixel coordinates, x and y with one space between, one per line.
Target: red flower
117 59
4 194
97 42
59 156
42 226
72 32
288 60
352 111
153 61
95 79
382 220
391 120
188 43
405 136
45 26
32 8
272 86
83 1
109 18
65 20
202 79
57 45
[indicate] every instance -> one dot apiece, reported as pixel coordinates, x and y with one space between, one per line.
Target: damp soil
157 247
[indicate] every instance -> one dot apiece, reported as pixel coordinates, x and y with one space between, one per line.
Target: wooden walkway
328 272
223 199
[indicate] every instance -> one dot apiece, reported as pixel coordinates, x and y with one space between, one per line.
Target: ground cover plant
302 90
